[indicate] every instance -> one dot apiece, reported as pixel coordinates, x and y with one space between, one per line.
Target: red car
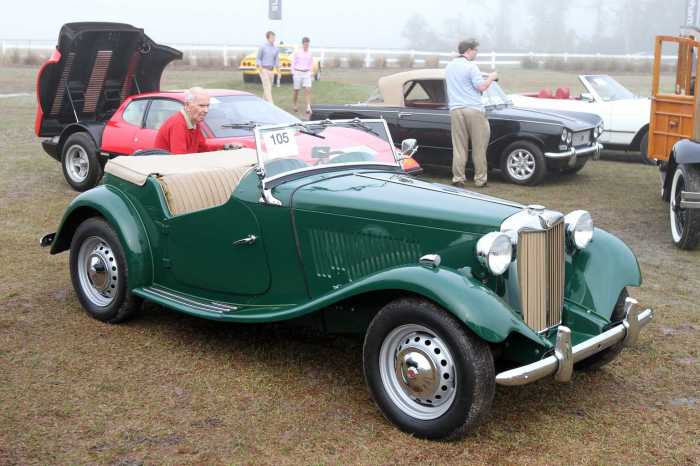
99 97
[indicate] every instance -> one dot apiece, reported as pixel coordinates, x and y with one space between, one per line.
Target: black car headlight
579 229
495 251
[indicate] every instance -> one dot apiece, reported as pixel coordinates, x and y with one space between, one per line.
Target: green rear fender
110 204
483 311
597 274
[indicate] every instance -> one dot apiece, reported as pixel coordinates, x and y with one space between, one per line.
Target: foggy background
576 26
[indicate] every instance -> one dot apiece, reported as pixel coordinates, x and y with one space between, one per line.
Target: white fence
392 57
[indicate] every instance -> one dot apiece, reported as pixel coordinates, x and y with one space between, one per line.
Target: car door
218 249
426 118
157 113
119 133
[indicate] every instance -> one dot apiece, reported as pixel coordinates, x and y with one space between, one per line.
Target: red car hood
94 68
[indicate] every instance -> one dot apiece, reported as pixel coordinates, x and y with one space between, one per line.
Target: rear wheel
81 167
522 162
428 374
685 223
99 272
644 150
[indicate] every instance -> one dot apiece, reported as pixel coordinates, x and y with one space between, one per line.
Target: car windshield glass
608 89
308 145
494 96
236 109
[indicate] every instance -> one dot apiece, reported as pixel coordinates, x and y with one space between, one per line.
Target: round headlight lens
563 135
495 252
569 138
579 228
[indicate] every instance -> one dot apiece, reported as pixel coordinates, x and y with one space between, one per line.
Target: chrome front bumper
690 200
561 363
573 152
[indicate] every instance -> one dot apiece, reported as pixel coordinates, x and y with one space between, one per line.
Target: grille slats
541 276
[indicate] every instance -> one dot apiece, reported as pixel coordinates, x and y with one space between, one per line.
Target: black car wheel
99 272
685 223
81 167
427 373
602 358
644 150
523 162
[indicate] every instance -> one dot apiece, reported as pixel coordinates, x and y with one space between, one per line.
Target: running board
185 303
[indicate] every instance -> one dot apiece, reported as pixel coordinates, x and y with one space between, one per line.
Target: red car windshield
241 109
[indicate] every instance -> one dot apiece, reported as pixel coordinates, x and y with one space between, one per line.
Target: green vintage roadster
446 285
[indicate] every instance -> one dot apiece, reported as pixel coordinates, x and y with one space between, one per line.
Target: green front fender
484 312
112 205
597 274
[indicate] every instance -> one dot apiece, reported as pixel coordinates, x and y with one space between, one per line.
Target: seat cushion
189 192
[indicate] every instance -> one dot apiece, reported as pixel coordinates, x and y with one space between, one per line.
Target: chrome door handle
250 239
404 114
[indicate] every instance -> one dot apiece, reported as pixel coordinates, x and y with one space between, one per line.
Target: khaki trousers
469 123
266 77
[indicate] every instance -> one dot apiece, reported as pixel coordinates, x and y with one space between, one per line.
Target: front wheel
81 167
99 272
685 223
427 373
522 162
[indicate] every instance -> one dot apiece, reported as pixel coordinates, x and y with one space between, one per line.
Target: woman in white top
302 68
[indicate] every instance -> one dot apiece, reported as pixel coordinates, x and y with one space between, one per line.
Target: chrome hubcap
77 163
520 164
418 371
98 272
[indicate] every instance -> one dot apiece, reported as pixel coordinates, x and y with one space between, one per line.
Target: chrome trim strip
597 147
557 364
690 200
213 307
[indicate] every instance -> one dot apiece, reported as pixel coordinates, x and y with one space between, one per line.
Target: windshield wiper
303 130
359 124
249 125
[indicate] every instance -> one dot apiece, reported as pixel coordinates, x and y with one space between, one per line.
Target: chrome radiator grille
541 276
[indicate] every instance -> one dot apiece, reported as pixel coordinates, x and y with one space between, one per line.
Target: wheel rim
521 164
98 271
77 163
418 371
678 216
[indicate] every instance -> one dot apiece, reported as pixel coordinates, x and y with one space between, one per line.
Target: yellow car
250 72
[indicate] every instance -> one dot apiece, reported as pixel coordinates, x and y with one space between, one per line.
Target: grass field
171 389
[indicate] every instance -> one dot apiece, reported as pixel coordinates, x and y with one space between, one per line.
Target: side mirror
408 147
587 97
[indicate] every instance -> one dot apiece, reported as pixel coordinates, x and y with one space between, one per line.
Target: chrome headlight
579 228
569 138
564 134
495 252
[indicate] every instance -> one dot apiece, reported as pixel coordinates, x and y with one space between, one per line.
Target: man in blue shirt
268 60
465 84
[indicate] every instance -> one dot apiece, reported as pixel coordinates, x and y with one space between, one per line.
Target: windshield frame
271 181
587 80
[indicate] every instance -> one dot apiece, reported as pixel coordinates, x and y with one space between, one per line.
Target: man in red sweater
181 134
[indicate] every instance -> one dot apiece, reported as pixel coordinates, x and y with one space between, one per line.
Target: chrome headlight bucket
495 252
564 134
579 229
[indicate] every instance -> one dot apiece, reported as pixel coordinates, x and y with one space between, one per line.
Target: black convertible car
524 143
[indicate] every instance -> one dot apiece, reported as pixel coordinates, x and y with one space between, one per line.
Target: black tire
602 358
685 223
106 297
533 168
468 392
644 150
580 163
81 167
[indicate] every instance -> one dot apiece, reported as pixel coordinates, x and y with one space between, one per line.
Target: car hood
397 198
94 68
575 121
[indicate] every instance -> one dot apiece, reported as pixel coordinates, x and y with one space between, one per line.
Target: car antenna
72 104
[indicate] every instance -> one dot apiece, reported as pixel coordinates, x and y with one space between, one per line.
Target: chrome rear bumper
573 152
690 200
561 363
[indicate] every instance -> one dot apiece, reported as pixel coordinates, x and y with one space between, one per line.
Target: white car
625 116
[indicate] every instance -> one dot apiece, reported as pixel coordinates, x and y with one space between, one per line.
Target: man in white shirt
465 84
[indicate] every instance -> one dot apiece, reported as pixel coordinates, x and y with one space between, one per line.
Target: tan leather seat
189 192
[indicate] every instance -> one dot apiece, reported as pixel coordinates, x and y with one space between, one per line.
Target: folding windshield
495 97
314 145
607 88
